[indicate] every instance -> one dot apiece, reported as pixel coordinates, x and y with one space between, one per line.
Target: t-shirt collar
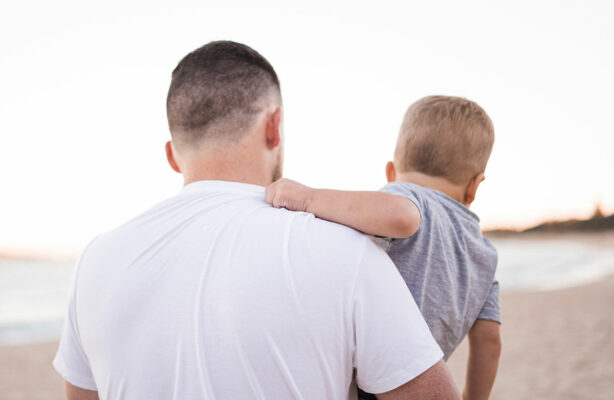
221 186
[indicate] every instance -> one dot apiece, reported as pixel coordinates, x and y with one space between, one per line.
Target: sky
83 88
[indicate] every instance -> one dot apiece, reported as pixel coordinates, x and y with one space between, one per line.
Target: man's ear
170 157
472 188
273 132
391 172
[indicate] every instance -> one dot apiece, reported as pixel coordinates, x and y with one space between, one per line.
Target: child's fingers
272 191
269 193
280 197
273 194
282 193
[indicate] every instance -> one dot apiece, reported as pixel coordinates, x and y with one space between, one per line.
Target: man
213 294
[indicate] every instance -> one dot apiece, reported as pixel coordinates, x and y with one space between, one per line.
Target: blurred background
83 127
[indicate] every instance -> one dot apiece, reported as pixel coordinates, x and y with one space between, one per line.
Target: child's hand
288 194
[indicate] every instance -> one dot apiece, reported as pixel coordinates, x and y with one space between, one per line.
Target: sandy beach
557 345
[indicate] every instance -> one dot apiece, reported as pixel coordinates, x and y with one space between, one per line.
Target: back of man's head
443 136
216 93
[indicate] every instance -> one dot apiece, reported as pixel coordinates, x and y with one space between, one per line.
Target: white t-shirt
213 294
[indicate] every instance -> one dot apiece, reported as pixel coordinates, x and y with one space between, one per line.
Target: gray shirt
448 265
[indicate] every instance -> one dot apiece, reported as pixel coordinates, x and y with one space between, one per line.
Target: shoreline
602 240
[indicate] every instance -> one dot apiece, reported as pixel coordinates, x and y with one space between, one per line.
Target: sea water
33 299
34 294
550 264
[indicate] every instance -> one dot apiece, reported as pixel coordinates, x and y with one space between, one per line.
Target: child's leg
484 352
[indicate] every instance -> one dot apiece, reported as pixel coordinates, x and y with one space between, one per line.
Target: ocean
34 294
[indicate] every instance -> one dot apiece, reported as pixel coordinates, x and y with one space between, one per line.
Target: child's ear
472 188
391 172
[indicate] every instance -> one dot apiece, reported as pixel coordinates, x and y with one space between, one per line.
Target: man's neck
226 168
457 192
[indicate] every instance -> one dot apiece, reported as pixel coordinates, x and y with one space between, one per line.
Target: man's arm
484 353
374 213
76 393
435 383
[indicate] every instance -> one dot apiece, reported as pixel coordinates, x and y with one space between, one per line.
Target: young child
431 235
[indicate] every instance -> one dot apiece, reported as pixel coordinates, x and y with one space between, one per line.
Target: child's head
443 136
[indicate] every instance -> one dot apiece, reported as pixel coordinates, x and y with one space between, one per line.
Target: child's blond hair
449 137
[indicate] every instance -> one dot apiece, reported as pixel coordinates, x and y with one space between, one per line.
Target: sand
556 345
26 373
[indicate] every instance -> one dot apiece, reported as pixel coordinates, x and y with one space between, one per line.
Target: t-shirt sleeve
491 310
399 190
393 344
70 360
393 188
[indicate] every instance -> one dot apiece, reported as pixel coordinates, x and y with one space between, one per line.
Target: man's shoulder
303 228
324 241
323 232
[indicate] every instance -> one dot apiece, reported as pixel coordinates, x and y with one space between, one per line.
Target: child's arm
374 213
484 352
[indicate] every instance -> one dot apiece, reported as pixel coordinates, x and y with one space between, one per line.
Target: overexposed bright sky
83 88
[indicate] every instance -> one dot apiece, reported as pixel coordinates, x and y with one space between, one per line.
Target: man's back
214 294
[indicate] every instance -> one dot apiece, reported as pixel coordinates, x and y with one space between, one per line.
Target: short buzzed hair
443 136
217 91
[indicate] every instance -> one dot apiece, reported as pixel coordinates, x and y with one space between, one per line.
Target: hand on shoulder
286 193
